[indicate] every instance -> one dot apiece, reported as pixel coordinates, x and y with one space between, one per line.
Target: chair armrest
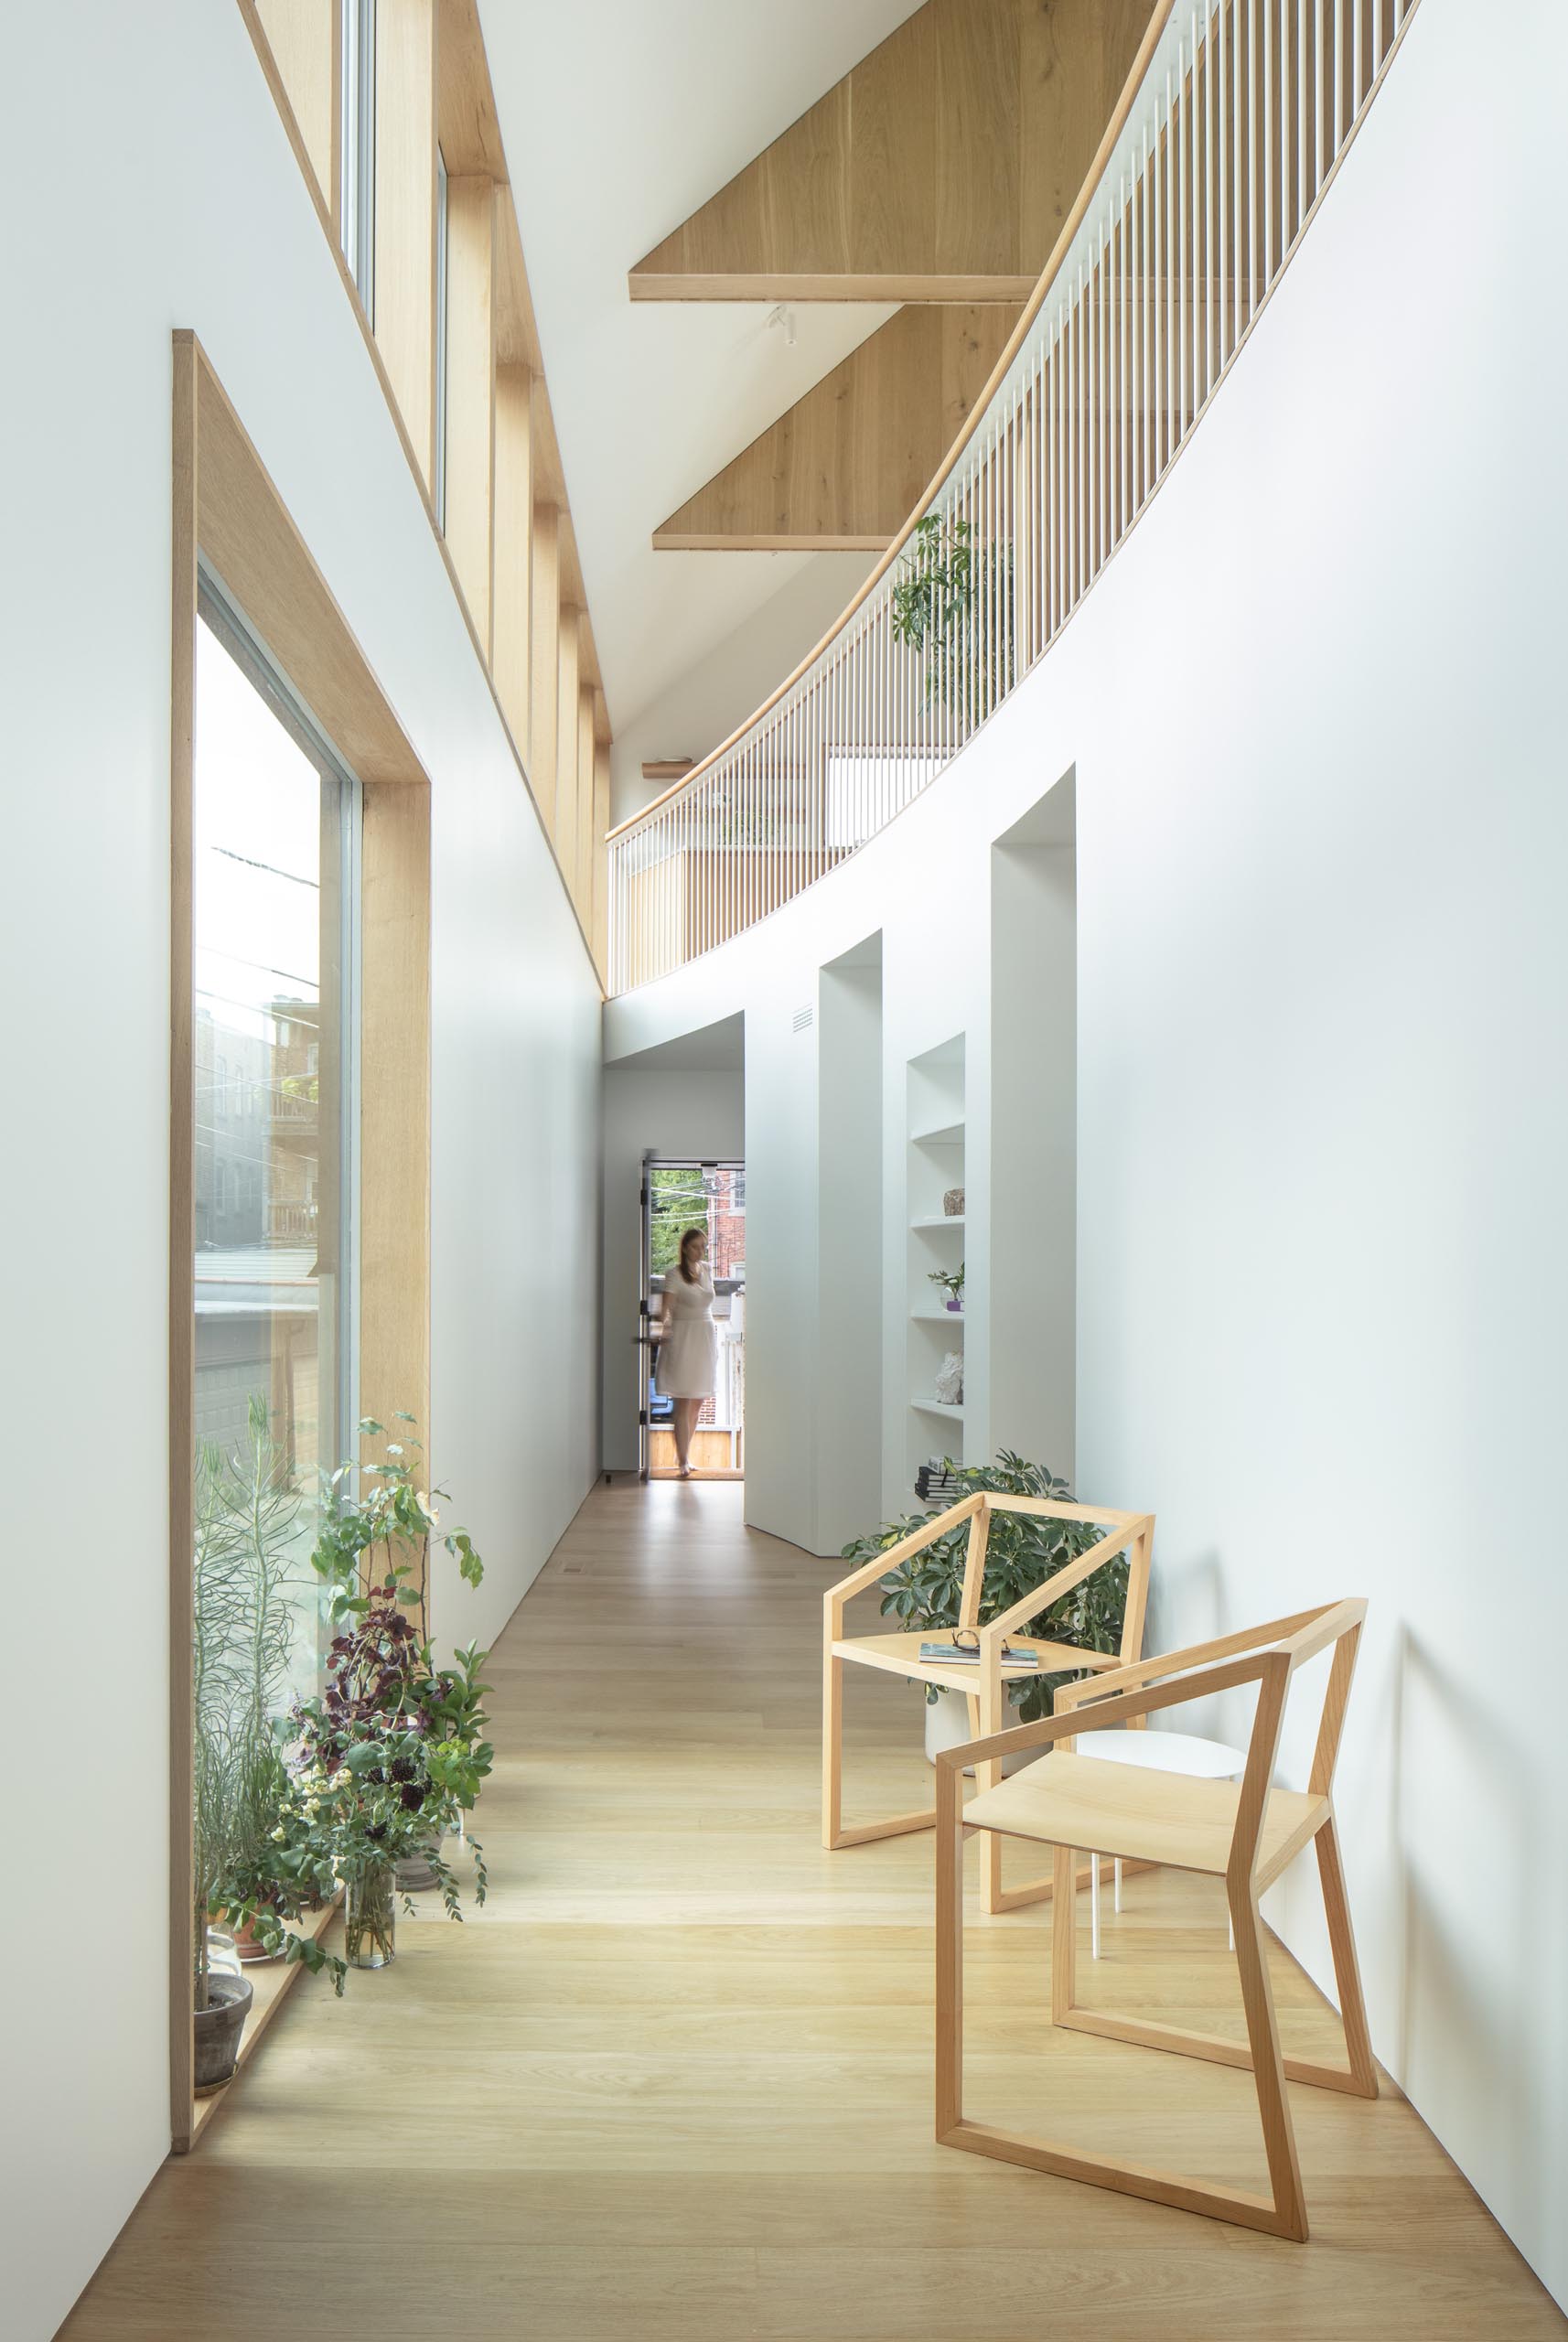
916 1543
1173 1662
1072 1574
1049 1729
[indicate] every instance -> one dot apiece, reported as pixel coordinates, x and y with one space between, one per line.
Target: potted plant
390 1754
1024 1549
952 601
247 1512
950 1281
389 1516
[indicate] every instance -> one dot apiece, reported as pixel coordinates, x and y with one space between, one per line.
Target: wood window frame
432 90
228 514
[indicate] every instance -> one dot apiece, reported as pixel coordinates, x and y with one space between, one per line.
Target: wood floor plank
675 2080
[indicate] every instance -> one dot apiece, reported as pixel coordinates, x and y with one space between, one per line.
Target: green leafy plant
952 601
391 1751
377 1523
247 1520
1023 1551
948 1280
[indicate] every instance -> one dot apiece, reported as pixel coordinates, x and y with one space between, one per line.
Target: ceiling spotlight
784 316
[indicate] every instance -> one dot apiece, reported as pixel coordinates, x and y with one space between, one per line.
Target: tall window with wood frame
276 840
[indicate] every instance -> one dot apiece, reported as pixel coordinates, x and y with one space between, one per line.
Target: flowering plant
386 1758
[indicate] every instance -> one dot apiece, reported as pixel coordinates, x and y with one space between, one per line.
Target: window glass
275 830
357 196
441 259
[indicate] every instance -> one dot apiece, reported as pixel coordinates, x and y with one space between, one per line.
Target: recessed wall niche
1034 1131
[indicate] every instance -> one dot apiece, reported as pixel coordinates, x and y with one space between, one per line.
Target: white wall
183 207
702 705
1323 1144
1034 1008
846 1486
675 1111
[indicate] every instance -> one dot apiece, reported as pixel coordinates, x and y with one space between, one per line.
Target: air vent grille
803 1018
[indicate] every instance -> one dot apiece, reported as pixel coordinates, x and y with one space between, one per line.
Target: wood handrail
1153 34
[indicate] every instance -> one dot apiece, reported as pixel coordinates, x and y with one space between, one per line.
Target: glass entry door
678 1194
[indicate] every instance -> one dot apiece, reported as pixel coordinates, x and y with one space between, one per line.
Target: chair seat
1165 1752
1140 1814
900 1655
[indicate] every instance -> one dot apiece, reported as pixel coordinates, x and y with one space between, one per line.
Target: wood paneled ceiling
936 173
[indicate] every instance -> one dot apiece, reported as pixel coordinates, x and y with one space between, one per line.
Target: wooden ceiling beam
844 468
939 169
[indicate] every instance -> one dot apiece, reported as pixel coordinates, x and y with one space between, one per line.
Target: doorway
678 1193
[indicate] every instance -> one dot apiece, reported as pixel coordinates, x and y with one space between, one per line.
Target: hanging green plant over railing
952 601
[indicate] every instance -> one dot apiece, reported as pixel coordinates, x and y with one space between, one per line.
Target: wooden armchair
1245 1832
982 1683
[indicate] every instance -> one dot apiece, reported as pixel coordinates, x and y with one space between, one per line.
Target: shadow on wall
1457 1998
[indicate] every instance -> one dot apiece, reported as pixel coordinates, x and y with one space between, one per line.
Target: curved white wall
181 205
1323 1145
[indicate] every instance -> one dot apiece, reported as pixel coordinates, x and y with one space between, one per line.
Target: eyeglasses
967 1638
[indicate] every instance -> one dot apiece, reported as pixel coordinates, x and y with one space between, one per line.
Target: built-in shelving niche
935 1149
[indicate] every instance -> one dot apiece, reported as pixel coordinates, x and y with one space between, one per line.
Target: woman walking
689 1346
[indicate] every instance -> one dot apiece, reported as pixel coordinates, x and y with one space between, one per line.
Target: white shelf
939 1219
935 1407
945 1134
938 1316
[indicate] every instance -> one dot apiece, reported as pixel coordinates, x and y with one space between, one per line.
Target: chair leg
986 1713
1346 1972
1093 1905
1281 2213
1268 2063
835 1837
832 1748
950 1952
1064 1931
1116 1887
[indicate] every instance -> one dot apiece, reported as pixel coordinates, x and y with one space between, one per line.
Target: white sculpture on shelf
949 1380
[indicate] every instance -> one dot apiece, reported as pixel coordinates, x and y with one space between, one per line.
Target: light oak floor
676 2080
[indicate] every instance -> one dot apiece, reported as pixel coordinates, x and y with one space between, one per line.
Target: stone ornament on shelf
950 1381
953 1203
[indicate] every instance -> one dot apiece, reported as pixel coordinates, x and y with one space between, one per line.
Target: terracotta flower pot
247 1946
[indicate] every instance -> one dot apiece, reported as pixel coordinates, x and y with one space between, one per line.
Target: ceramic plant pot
947 1726
415 1876
217 2030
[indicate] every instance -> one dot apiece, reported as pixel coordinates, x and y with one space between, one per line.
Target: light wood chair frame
1127 1696
984 1685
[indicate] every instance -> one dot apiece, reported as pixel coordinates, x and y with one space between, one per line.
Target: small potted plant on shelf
391 1756
1022 1549
950 1281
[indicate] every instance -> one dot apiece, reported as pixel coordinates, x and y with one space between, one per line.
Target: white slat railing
1232 121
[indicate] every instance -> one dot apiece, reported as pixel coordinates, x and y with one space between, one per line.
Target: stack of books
1022 1658
936 1487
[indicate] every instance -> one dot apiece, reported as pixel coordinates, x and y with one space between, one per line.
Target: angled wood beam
847 464
940 169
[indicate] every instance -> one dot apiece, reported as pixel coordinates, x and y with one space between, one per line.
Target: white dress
688 1349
